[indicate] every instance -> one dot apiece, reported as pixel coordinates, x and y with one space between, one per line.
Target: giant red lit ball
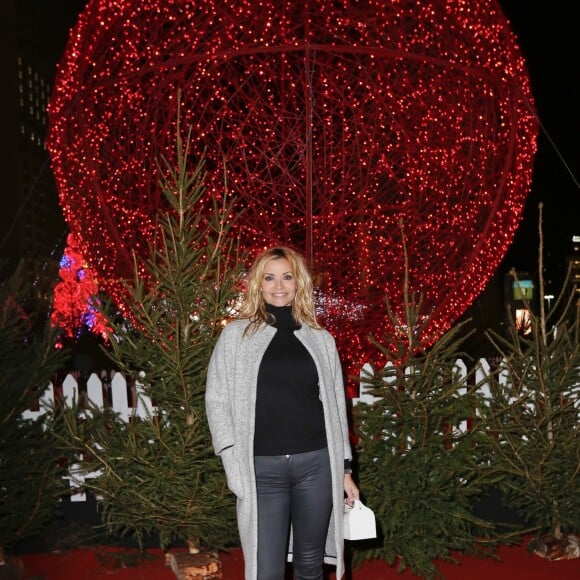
337 120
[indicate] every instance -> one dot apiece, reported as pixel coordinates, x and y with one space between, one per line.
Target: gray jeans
293 489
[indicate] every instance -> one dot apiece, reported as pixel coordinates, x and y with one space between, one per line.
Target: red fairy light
335 121
75 296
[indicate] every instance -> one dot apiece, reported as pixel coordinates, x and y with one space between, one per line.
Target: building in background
38 225
32 228
521 299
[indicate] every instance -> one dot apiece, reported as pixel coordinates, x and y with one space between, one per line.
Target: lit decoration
334 120
75 303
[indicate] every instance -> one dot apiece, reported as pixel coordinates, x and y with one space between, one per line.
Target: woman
277 414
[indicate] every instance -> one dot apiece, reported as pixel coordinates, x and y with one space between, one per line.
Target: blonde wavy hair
254 306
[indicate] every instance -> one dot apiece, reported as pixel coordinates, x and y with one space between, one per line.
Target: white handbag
359 522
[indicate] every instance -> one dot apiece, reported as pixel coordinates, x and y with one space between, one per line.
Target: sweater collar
283 317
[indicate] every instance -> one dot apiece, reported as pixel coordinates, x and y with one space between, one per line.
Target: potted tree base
191 566
565 547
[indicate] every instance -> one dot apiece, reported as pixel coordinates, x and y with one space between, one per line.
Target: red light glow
335 121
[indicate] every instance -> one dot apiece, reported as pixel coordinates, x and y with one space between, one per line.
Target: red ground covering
89 563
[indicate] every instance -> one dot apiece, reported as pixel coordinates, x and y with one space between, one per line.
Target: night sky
549 40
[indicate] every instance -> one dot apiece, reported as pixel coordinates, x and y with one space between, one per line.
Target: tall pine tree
534 413
159 475
420 467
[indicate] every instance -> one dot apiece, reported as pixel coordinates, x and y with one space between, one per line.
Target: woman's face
278 282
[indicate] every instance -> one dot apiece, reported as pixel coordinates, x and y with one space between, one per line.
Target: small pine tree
420 468
31 471
534 414
159 476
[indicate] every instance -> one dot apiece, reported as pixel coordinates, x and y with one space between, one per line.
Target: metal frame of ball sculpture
339 123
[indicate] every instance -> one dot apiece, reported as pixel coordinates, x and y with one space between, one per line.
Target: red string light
75 302
335 121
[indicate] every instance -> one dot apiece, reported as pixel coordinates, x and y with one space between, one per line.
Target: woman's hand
350 489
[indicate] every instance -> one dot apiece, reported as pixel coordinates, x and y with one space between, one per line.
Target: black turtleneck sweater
289 415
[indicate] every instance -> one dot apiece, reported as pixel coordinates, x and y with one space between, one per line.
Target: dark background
549 40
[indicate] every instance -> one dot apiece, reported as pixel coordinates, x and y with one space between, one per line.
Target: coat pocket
232 469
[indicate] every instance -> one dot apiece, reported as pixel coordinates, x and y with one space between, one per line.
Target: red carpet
89 563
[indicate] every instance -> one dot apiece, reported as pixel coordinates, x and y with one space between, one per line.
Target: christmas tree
31 467
534 415
159 475
420 447
75 303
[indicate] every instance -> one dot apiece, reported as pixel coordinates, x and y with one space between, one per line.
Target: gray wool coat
230 406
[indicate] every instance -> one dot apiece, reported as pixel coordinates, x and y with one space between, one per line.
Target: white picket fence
117 393
482 373
106 390
114 391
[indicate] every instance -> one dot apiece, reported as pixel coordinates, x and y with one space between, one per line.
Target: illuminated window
523 289
523 321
